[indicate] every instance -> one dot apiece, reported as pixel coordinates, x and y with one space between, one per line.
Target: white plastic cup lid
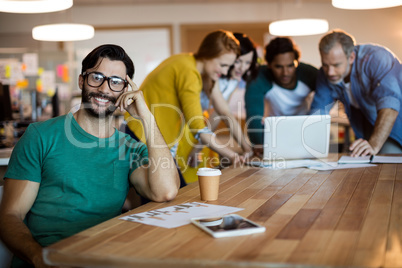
208 172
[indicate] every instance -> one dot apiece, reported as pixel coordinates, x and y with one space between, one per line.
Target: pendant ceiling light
34 6
365 4
297 27
63 32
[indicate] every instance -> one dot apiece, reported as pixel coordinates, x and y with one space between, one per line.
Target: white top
283 101
226 86
352 99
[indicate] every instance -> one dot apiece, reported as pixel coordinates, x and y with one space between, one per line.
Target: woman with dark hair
245 66
173 89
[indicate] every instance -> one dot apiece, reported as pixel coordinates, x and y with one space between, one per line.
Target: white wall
379 26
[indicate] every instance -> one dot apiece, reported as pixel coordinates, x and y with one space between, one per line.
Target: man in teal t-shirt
285 84
72 172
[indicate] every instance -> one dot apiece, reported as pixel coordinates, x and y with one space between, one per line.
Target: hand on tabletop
192 160
241 158
259 152
247 155
361 147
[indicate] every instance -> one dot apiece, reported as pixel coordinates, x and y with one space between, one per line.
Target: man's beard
89 107
343 76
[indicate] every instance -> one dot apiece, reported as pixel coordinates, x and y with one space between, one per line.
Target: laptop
296 137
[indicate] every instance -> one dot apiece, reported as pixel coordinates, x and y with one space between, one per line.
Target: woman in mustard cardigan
172 92
240 73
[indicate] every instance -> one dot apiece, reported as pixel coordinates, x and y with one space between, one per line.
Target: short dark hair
112 52
280 45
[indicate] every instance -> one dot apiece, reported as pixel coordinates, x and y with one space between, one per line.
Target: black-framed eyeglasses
95 79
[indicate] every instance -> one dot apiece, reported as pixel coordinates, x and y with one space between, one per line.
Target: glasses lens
95 79
116 83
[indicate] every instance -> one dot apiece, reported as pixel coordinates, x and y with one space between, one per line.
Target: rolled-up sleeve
386 73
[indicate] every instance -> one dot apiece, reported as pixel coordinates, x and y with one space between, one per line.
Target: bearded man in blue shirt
367 79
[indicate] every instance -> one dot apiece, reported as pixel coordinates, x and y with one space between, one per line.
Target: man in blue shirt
367 79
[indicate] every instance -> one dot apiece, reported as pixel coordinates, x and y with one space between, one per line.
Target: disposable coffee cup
208 180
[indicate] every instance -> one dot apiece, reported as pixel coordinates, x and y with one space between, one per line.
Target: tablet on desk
226 226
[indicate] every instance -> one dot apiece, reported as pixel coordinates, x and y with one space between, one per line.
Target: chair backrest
5 254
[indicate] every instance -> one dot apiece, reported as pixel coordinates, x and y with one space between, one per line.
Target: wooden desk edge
54 257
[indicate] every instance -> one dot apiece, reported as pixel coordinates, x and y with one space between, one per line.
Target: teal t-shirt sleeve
26 158
254 102
138 156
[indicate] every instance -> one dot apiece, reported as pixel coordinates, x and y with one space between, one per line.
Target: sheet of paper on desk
178 215
283 164
336 165
258 163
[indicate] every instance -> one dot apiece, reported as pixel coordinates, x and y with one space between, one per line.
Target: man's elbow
167 196
169 191
171 195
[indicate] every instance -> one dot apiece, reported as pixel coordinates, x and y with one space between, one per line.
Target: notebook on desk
345 159
296 137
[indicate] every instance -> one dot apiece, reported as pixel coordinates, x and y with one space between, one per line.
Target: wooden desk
349 217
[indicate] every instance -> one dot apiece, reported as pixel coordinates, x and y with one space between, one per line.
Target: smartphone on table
228 225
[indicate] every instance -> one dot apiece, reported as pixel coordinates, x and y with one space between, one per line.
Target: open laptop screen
296 137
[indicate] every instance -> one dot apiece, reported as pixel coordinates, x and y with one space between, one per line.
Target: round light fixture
365 4
63 32
34 6
297 27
